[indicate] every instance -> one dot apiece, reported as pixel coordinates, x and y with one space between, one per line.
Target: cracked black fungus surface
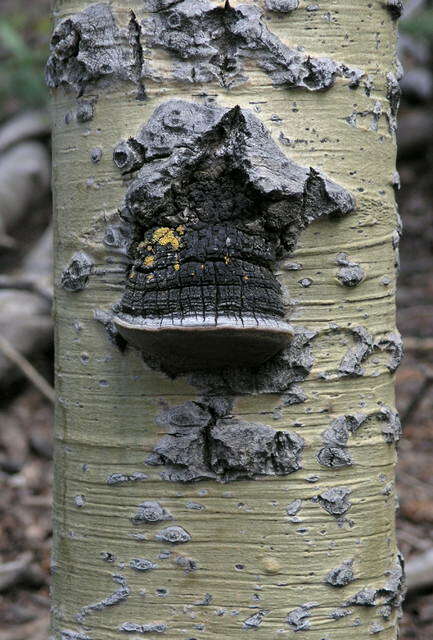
214 203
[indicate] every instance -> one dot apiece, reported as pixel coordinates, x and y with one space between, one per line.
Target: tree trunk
225 427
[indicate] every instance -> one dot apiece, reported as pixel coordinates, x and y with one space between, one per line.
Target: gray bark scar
76 275
342 575
152 627
366 345
350 364
282 6
350 273
151 513
389 596
173 535
299 619
335 453
117 597
200 444
90 47
68 634
335 501
254 621
211 43
123 478
277 375
393 94
213 203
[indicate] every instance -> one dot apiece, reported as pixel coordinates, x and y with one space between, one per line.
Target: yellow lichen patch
166 236
148 261
180 229
150 276
226 259
176 266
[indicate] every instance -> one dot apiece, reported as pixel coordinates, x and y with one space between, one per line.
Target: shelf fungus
213 204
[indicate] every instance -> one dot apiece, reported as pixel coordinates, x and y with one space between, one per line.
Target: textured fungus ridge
210 42
200 444
213 204
90 46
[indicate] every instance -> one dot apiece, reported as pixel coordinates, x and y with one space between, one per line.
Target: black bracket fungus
213 203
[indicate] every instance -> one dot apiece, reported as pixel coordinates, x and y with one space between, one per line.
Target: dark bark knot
213 203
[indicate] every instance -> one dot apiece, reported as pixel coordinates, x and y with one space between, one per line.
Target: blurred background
26 332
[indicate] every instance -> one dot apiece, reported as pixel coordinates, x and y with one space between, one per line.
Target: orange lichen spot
180 229
132 275
166 236
226 259
245 277
148 261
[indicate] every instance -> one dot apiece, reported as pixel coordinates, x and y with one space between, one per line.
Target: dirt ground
26 416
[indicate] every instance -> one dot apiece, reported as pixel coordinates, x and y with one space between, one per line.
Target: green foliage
23 52
420 25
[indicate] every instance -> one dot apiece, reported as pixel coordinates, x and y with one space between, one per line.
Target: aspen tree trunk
225 450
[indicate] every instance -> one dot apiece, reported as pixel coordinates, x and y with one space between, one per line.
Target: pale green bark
251 557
